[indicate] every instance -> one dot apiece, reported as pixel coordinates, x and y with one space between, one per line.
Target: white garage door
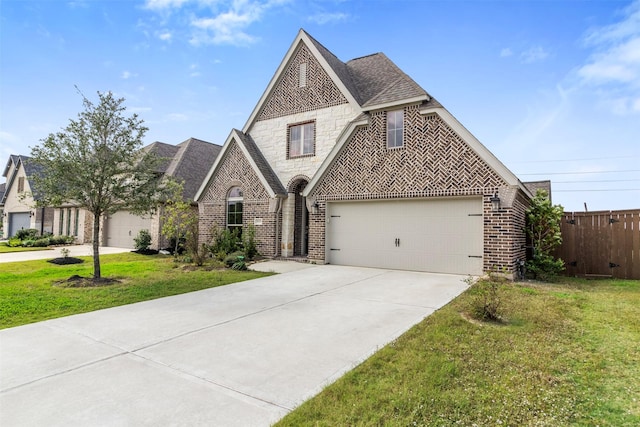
436 235
122 227
18 221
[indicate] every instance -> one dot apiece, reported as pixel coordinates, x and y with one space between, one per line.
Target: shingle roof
30 169
261 163
192 161
373 79
2 187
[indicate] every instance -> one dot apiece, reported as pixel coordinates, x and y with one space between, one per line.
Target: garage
435 235
18 221
122 227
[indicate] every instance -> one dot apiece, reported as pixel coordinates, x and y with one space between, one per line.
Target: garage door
18 221
122 227
437 235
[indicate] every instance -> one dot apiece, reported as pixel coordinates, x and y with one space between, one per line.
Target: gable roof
30 169
2 188
253 154
370 82
191 162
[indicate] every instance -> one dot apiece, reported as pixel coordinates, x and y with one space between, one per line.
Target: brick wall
434 162
235 170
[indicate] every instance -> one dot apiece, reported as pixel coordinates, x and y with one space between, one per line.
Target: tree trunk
96 245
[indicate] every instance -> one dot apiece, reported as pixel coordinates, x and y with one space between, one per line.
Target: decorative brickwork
434 162
288 97
235 170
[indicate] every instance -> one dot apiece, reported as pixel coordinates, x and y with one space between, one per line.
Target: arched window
234 209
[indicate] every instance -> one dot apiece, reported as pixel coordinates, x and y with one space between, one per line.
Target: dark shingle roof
261 163
373 79
192 162
2 187
30 169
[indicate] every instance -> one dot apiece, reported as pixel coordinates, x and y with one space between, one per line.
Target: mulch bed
76 281
66 260
146 252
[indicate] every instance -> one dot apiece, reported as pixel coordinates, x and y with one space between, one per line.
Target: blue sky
552 88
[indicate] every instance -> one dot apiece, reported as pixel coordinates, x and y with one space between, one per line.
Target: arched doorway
301 219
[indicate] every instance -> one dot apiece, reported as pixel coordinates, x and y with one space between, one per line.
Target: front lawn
31 291
568 354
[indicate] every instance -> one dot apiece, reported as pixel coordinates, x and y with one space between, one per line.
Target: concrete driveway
239 355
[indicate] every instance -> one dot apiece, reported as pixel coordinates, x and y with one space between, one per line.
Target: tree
97 163
543 229
179 216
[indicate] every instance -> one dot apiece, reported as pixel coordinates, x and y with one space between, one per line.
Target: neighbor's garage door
437 235
123 226
18 221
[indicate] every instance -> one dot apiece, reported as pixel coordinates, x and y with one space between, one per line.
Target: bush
60 240
487 301
27 234
142 240
224 241
249 241
14 242
234 257
41 243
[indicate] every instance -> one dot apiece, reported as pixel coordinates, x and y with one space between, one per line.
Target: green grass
567 354
6 249
30 291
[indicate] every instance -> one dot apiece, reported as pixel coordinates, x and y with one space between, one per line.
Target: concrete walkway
74 250
239 355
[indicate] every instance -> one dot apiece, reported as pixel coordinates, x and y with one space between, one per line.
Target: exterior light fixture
315 208
495 202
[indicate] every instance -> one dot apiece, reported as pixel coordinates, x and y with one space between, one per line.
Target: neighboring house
2 187
189 162
19 199
355 164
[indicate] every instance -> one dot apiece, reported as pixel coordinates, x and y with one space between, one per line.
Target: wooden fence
604 243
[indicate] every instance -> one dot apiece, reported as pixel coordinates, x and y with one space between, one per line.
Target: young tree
179 216
543 229
97 163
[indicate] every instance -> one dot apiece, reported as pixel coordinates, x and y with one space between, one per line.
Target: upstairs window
302 140
234 209
395 128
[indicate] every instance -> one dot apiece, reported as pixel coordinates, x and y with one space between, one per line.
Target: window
21 184
302 140
68 221
75 224
61 225
302 75
395 128
234 209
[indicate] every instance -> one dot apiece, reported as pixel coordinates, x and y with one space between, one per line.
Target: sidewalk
74 250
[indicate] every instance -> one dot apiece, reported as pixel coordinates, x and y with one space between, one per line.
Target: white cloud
164 4
614 66
127 75
164 35
534 54
177 117
326 18
506 52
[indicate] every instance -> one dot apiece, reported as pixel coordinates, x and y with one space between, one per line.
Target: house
19 199
188 162
354 163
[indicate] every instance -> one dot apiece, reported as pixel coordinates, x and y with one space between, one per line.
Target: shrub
143 240
27 234
487 301
14 242
224 241
249 241
28 243
234 257
41 243
60 240
543 230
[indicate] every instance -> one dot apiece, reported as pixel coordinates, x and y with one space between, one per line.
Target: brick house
354 163
18 200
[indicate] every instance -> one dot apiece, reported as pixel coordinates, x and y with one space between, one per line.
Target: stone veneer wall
434 162
235 170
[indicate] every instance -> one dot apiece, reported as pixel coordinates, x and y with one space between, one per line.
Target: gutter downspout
276 252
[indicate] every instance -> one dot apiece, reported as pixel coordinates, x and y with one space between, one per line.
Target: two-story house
354 163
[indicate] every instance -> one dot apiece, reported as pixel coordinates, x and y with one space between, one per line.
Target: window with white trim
395 128
234 209
301 140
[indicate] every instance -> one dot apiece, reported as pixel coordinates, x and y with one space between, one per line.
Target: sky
552 88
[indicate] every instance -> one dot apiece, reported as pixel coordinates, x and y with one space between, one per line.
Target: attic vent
302 75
